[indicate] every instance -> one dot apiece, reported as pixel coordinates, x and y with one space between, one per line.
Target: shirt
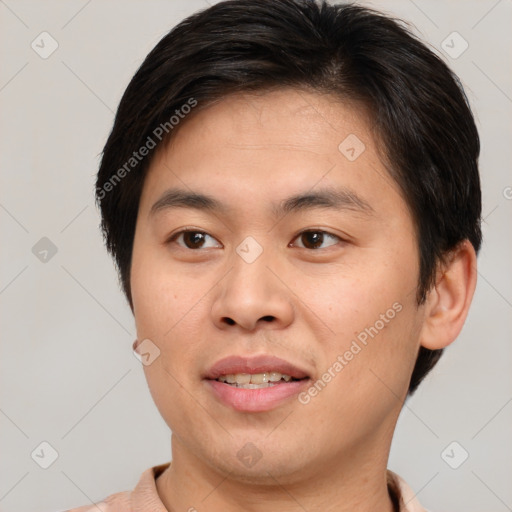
145 498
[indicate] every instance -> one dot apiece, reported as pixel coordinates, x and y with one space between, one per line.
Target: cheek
374 326
368 369
167 310
170 310
162 295
353 299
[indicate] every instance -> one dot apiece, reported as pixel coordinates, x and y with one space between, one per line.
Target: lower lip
256 400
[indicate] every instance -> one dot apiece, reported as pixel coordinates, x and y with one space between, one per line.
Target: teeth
241 378
260 378
255 381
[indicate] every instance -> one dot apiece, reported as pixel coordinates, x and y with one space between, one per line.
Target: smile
255 381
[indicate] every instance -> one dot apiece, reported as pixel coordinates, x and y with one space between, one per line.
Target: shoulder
143 497
403 494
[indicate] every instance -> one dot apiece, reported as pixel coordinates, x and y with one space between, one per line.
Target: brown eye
314 239
191 239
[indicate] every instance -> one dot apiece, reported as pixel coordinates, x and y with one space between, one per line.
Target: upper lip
254 364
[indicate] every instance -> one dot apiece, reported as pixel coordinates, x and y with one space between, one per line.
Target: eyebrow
329 198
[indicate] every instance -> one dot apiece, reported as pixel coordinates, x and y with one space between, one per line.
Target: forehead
263 147
283 119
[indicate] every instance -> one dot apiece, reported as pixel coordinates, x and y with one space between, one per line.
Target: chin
257 463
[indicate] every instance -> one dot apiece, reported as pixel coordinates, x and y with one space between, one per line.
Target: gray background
68 376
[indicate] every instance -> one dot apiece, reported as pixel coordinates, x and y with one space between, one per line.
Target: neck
345 483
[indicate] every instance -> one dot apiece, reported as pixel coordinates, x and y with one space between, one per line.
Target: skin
303 304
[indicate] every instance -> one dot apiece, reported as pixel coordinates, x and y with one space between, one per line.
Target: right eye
190 239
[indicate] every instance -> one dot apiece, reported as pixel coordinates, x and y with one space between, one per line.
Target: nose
253 295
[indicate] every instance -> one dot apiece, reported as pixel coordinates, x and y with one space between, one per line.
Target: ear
448 302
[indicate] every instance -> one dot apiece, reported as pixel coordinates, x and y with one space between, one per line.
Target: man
291 194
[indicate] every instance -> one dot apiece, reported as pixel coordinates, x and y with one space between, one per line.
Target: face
294 280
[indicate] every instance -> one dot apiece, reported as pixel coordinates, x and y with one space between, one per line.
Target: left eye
315 239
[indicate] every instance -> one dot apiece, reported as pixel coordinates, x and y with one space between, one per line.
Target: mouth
255 384
256 380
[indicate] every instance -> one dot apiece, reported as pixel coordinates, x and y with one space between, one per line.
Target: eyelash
175 236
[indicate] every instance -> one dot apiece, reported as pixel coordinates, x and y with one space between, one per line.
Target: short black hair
417 105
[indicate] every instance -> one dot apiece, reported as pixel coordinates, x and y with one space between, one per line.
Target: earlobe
448 301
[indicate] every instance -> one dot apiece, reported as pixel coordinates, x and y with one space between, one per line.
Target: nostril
230 321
